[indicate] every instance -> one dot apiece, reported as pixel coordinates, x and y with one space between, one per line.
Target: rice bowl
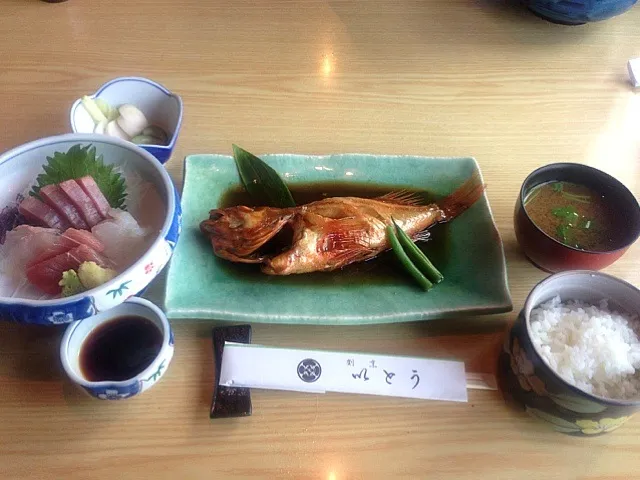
571 358
589 346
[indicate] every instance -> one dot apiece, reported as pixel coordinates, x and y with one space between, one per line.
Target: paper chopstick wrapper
319 371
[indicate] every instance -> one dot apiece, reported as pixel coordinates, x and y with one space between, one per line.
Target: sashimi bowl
86 221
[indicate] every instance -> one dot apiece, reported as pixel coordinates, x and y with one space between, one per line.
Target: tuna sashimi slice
41 214
56 199
90 187
70 239
47 274
75 238
81 201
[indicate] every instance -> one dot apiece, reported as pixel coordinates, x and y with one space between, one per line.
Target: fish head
237 233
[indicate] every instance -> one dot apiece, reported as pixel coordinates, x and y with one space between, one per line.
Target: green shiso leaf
79 162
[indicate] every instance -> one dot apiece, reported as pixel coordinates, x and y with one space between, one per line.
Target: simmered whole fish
330 233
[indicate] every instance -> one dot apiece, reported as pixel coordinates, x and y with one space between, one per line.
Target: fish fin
402 197
344 234
465 196
422 236
235 258
345 240
347 257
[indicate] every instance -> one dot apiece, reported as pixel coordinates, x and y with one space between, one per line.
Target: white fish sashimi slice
19 287
143 200
25 243
124 240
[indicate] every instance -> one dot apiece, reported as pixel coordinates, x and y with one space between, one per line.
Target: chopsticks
481 381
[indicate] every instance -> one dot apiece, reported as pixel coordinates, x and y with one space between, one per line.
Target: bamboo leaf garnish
261 181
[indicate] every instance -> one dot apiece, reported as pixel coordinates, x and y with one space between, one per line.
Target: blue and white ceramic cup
79 331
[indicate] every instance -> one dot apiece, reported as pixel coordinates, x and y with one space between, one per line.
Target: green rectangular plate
201 285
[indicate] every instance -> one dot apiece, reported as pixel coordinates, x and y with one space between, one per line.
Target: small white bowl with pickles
135 109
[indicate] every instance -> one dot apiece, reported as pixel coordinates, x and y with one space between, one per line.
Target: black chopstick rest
229 401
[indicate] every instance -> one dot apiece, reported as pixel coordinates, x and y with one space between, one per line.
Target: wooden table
428 77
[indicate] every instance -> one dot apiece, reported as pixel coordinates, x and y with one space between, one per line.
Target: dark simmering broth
573 214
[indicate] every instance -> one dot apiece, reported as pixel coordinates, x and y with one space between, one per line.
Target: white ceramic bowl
18 170
77 333
160 106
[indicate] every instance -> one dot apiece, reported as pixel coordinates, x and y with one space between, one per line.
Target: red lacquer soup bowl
552 255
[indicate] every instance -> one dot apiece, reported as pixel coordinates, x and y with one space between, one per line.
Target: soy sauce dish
144 350
570 216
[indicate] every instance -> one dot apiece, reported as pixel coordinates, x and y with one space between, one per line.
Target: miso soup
573 214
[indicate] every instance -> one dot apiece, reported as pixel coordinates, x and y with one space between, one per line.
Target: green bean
406 261
417 256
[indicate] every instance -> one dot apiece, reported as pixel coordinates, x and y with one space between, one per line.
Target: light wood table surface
425 77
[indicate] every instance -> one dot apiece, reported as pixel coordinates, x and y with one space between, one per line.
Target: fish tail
465 196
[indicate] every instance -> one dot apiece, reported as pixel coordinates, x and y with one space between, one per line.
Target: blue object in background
577 12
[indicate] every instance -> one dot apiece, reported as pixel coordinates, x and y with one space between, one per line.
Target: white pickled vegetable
131 120
92 109
114 130
101 127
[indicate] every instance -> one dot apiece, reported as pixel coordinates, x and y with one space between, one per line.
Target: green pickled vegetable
146 140
107 110
156 132
93 109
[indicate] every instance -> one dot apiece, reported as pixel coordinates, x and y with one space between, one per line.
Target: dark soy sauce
120 349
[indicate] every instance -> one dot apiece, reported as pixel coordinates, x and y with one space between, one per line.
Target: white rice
593 348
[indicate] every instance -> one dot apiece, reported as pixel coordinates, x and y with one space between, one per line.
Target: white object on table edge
259 366
634 71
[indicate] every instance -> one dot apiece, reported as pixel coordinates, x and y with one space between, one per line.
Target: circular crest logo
309 370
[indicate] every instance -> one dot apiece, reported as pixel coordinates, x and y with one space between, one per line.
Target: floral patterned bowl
77 332
529 383
18 170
